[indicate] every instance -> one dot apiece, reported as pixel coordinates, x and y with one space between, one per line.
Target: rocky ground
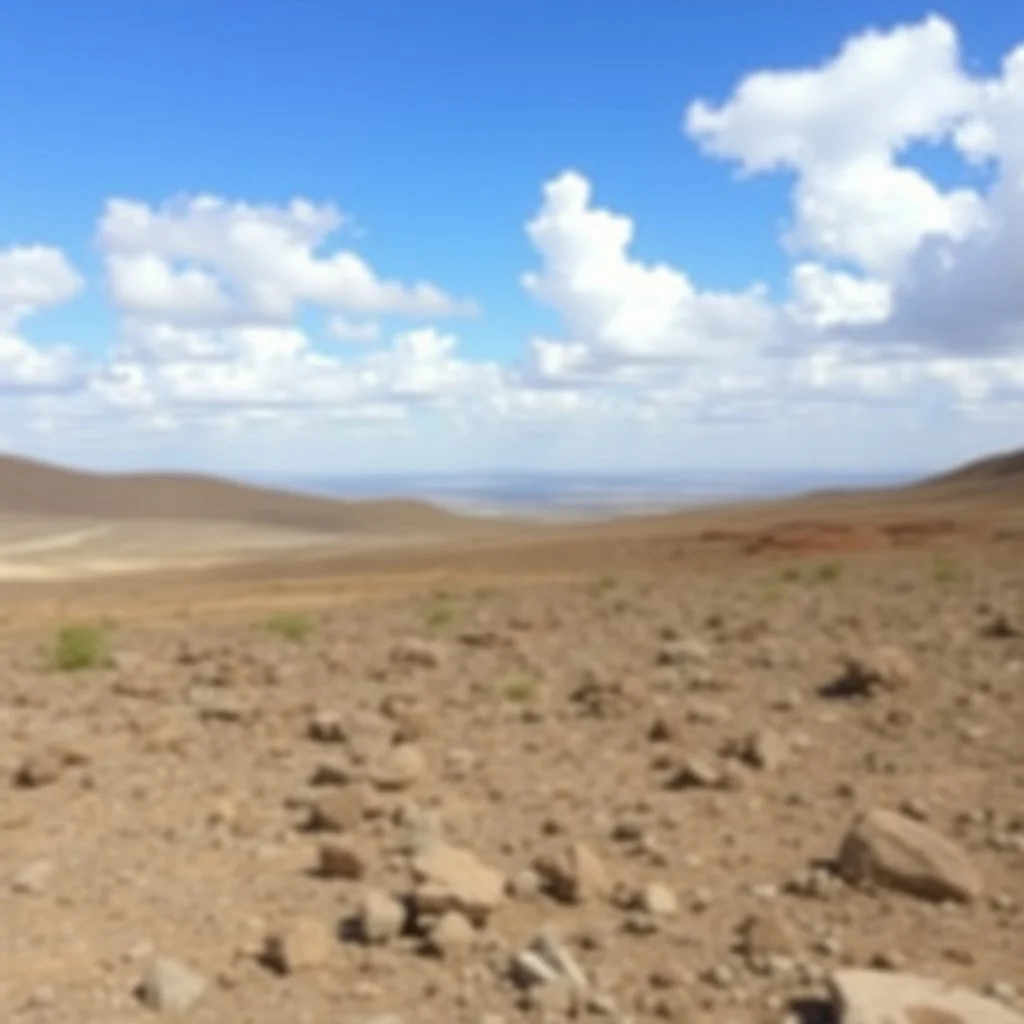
710 793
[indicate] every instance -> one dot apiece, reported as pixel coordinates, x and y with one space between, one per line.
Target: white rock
171 987
883 997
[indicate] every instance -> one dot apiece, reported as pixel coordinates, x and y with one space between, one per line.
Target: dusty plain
322 784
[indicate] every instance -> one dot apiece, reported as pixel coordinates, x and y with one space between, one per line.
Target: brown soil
557 684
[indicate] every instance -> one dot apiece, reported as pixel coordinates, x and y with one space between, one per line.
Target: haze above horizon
563 235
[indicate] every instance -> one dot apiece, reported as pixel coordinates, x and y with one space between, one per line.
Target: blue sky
433 130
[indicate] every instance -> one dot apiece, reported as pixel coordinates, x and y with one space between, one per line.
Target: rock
331 773
327 727
399 767
890 850
451 936
577 875
764 749
658 900
343 858
546 961
524 885
707 712
765 936
450 878
300 945
46 766
684 652
380 918
407 714
883 997
885 668
33 879
697 773
1000 627
171 987
417 654
340 810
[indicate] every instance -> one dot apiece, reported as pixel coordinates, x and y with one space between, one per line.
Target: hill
30 488
1001 472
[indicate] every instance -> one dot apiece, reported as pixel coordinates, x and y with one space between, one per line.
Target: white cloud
823 298
365 331
904 299
615 308
207 261
841 126
31 279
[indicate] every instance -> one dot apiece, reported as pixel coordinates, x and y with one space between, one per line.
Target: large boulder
883 997
887 849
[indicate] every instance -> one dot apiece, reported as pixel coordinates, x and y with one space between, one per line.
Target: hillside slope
1000 475
29 488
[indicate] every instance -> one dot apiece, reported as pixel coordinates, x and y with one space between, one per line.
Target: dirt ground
650 741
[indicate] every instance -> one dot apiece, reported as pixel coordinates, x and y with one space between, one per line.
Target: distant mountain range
383 504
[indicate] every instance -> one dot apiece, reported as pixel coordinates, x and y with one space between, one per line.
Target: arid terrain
703 767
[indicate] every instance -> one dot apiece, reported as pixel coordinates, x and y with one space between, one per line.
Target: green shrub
80 647
293 626
521 689
440 614
946 569
829 572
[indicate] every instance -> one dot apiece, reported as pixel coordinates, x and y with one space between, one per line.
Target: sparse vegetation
78 647
293 626
521 689
829 572
946 569
604 584
440 614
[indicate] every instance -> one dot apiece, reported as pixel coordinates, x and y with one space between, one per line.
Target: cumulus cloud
902 294
841 127
351 330
204 260
938 271
615 308
32 279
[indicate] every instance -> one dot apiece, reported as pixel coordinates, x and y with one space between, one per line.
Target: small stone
658 900
720 976
765 935
33 879
451 936
381 918
1004 991
46 766
764 749
697 773
327 727
547 946
450 878
529 969
300 945
524 885
915 809
170 987
415 653
886 668
576 875
343 858
399 768
700 900
684 652
340 810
